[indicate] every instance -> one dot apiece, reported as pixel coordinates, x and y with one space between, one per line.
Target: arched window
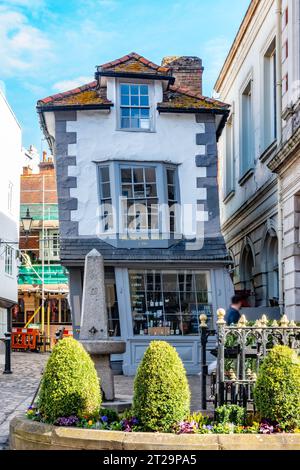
246 274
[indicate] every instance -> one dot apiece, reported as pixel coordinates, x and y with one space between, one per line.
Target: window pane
125 112
105 190
139 190
144 89
144 101
127 190
134 100
150 174
126 175
104 173
125 100
151 190
138 175
134 112
170 281
125 123
170 176
145 112
134 123
134 89
124 89
171 193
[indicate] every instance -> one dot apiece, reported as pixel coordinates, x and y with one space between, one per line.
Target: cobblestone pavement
18 388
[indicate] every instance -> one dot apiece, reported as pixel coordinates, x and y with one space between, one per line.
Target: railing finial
242 321
264 321
284 321
203 320
221 315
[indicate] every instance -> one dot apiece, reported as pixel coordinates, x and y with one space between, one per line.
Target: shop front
162 304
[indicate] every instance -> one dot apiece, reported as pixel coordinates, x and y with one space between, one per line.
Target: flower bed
33 435
230 419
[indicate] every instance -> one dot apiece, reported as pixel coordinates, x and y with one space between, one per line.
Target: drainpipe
279 139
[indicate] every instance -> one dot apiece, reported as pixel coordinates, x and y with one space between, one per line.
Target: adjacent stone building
259 174
136 162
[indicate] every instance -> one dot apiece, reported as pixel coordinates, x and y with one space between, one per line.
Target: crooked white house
136 163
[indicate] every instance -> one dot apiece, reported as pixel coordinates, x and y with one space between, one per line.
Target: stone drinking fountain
94 330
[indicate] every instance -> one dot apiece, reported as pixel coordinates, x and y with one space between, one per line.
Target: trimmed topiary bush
161 390
70 385
230 414
277 390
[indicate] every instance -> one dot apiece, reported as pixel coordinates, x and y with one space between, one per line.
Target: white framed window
246 156
9 260
269 98
140 204
105 198
10 196
135 106
51 244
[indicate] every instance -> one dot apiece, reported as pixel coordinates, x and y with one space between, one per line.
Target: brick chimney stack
187 71
46 165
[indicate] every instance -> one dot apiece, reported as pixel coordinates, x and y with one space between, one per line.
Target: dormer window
134 106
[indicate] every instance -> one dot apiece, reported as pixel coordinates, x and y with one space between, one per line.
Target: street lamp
27 221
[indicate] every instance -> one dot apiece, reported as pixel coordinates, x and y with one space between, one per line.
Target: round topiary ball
161 390
70 385
277 390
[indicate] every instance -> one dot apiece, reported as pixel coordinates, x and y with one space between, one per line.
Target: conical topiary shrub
161 390
277 390
70 385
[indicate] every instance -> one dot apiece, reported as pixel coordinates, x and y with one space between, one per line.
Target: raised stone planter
31 435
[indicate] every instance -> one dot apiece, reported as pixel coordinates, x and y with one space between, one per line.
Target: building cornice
237 42
286 153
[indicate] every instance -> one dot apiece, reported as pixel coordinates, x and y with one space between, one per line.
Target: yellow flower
30 412
90 422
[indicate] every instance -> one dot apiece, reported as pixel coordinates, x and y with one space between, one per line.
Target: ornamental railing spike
242 321
275 324
292 324
284 321
264 321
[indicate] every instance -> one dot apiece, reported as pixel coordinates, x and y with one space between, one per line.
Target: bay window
168 302
138 200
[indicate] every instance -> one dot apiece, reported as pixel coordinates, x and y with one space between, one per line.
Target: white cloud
65 85
32 4
23 48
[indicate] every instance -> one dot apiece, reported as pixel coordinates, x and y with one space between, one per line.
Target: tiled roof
87 94
134 63
183 98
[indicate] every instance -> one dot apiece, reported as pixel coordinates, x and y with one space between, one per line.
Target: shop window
166 303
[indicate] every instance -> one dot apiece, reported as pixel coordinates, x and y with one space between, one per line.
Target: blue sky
47 46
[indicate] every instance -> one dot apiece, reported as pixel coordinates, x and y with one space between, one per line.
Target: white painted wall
10 142
98 139
247 63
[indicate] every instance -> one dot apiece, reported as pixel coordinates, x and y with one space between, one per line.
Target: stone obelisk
93 329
